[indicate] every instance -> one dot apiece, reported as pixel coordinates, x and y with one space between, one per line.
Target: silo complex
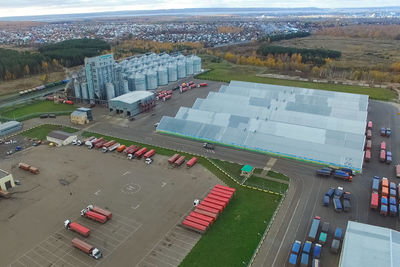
137 73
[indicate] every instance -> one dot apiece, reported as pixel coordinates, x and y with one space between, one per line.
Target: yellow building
6 180
79 117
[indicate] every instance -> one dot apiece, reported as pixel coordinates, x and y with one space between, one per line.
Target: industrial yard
147 202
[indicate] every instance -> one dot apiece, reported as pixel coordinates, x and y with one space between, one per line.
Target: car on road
44 116
208 146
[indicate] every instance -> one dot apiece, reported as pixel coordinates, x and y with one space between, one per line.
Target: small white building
6 180
61 138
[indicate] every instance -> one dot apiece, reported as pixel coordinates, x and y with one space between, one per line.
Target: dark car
330 192
44 116
208 146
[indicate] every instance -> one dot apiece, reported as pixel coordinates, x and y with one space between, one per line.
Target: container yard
119 190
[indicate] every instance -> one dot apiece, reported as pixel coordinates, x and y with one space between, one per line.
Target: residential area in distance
199 136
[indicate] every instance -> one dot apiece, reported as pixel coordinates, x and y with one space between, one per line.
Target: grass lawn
226 71
35 109
42 131
277 175
267 184
233 238
257 171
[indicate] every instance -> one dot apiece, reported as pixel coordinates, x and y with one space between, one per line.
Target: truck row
94 213
385 196
343 173
166 95
384 155
312 248
206 211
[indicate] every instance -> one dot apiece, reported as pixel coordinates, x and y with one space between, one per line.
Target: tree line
283 36
50 57
314 56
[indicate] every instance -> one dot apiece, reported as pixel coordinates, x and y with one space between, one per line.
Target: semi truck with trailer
87 248
312 235
112 148
179 161
101 211
172 159
342 175
76 227
93 215
324 172
140 152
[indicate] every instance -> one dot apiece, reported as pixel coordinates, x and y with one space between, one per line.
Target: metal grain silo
131 82
151 79
77 89
172 72
110 91
189 66
140 82
196 64
84 90
125 87
181 65
162 75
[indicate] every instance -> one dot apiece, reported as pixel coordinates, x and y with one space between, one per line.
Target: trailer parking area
148 203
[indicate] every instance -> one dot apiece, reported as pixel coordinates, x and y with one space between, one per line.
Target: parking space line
150 263
115 223
48 251
21 262
185 236
31 259
33 250
165 255
173 244
164 262
172 251
76 258
107 236
190 244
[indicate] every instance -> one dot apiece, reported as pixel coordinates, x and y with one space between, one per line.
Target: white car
149 161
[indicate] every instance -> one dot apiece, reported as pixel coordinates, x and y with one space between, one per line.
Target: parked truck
149 153
367 155
337 204
101 211
312 235
140 152
93 215
397 169
179 161
325 171
108 144
375 184
317 251
172 159
382 155
342 175
76 227
121 148
100 144
112 148
131 149
87 248
191 162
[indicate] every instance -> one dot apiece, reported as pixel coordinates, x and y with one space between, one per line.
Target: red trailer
374 200
100 144
203 84
369 134
225 193
77 228
140 152
179 161
191 82
172 159
169 92
191 162
214 201
382 155
101 211
212 205
369 125
219 198
149 153
101 139
109 143
218 194
69 102
367 155
167 97
121 148
93 215
184 89
227 188
203 207
197 220
368 144
87 248
194 226
132 149
383 145
203 217
207 213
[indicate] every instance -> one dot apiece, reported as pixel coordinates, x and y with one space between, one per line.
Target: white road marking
125 173
163 184
137 206
97 192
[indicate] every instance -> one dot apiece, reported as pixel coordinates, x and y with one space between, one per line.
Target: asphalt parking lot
147 202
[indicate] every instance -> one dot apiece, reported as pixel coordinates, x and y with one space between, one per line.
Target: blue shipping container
317 250
296 247
293 259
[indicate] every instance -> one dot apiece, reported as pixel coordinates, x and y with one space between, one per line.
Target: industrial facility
106 79
132 103
10 127
6 180
325 127
369 245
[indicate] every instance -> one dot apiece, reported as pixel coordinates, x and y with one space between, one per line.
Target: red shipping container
149 153
374 200
78 228
229 193
194 226
203 207
223 199
172 159
221 194
94 216
227 188
179 161
140 152
202 217
101 211
214 201
212 215
191 162
213 206
197 220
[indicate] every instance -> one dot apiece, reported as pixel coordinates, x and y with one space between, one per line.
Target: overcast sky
10 8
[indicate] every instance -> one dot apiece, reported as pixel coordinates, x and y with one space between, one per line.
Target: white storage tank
125 87
181 69
77 89
84 90
110 91
151 79
172 72
140 82
189 66
162 75
196 64
131 82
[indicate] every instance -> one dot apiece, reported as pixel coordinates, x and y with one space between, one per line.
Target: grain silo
151 79
172 72
77 89
110 91
131 82
84 90
140 82
196 64
125 87
181 66
162 75
189 66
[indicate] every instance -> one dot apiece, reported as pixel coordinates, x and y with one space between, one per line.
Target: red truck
169 92
167 97
191 162
100 144
369 125
374 201
172 159
69 102
77 228
369 134
101 211
203 84
179 161
368 144
383 145
140 152
109 143
149 153
93 215
367 157
132 149
184 89
87 248
382 155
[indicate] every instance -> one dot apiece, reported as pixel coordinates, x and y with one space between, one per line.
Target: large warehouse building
132 103
367 245
10 127
312 125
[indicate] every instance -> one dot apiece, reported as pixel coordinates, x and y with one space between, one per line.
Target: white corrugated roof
367 245
132 97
